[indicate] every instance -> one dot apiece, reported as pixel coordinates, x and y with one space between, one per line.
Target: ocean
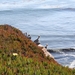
54 21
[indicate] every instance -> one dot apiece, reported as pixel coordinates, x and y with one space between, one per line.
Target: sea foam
72 65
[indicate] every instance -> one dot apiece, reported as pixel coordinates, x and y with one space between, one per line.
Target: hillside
13 40
30 59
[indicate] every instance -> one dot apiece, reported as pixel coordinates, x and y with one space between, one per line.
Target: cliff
12 40
21 56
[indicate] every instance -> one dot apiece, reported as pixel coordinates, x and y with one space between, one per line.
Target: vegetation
30 59
18 65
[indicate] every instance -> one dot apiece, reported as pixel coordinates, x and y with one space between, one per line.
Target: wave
61 50
72 65
60 57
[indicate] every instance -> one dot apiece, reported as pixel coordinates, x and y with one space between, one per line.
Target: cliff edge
12 40
21 56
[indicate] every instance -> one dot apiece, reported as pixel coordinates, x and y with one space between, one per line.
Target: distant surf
37 4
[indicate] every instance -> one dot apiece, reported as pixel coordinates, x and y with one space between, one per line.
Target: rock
45 51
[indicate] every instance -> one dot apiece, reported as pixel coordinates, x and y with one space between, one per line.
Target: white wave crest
72 55
72 65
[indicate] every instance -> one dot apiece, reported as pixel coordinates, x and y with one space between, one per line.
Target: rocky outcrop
45 51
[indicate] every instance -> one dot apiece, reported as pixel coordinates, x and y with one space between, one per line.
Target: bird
37 40
46 46
29 37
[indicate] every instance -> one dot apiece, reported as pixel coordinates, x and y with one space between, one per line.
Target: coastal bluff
12 41
21 56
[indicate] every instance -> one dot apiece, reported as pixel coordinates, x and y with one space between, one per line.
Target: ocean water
54 21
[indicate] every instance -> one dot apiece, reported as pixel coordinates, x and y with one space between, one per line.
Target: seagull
37 40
